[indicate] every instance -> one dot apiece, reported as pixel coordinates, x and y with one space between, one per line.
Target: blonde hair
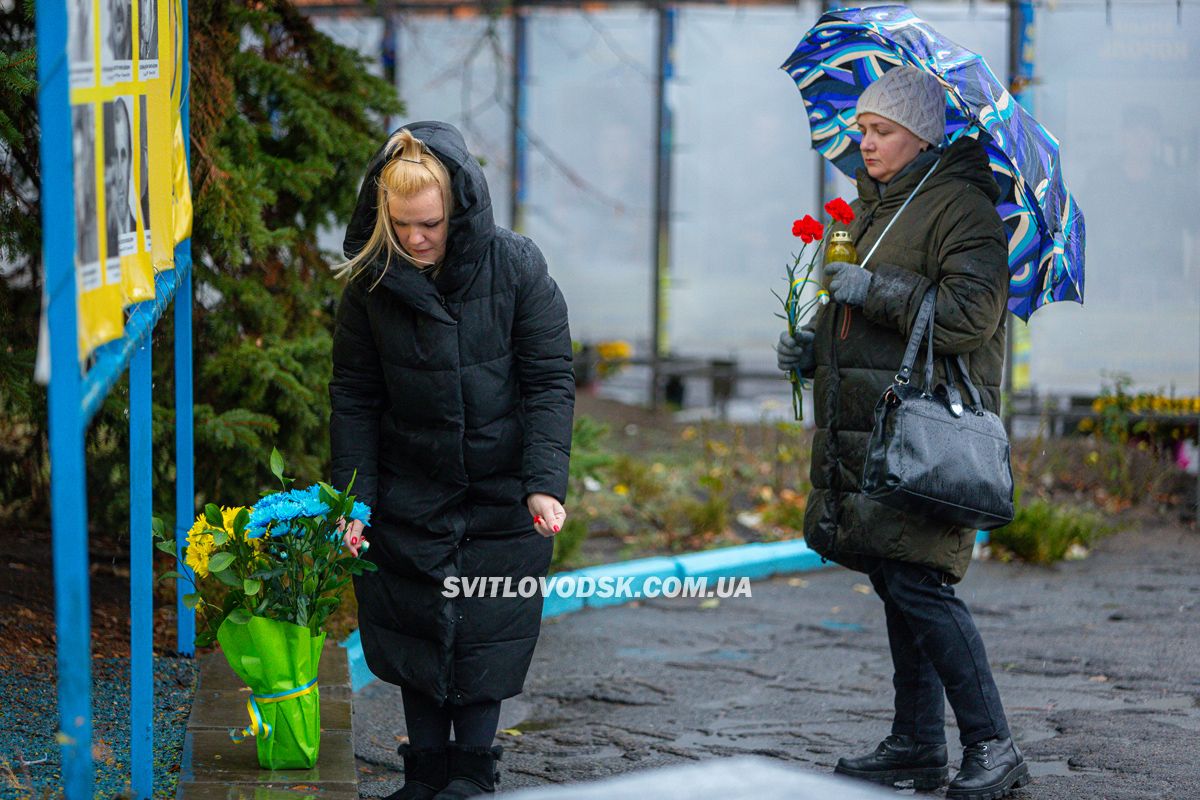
410 167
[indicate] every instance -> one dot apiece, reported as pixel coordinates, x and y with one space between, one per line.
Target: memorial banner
122 121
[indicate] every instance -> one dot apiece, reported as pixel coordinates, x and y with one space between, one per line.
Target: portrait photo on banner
144 168
116 41
147 39
79 43
119 190
87 232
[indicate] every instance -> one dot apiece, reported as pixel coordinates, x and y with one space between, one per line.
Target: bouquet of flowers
265 579
808 230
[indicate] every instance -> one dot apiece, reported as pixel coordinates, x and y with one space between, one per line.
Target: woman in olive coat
452 400
951 236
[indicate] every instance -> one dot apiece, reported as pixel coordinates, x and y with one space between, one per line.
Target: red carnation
840 210
808 229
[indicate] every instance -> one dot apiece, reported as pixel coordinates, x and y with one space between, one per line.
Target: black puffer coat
949 235
453 399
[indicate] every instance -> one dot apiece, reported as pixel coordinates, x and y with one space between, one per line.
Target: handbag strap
896 216
924 323
957 361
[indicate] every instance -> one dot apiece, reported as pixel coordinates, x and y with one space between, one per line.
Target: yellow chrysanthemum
228 515
200 547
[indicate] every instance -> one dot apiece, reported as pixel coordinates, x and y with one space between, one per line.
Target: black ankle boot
472 771
990 770
900 758
424 773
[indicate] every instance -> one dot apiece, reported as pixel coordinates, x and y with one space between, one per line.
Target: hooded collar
471 230
964 160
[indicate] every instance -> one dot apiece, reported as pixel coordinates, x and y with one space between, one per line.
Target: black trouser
429 724
935 648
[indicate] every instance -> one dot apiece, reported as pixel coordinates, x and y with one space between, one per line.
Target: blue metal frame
185 495
68 494
664 143
520 142
141 572
74 399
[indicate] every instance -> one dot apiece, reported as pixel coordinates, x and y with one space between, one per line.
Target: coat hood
964 160
472 226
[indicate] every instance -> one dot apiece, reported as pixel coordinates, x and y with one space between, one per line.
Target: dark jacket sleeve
357 396
972 255
542 343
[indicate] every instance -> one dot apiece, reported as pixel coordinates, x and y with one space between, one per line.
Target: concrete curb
754 561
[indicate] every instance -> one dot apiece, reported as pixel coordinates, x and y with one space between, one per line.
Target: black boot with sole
990 770
472 772
424 773
900 758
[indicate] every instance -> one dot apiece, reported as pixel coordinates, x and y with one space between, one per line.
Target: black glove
848 283
796 353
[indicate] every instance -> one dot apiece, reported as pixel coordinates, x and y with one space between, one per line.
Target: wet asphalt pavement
1098 664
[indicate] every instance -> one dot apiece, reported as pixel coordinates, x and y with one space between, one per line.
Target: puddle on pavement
645 653
1043 769
537 725
835 625
656 654
1168 703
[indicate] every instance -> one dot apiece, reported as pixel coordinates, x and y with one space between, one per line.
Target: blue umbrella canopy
849 49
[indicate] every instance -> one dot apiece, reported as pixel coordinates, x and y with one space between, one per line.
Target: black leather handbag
930 454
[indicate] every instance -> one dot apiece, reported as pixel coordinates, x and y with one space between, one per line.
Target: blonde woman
452 397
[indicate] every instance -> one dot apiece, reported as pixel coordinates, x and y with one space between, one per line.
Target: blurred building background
1116 81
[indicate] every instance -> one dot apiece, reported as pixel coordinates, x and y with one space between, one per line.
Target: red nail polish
556 529
353 540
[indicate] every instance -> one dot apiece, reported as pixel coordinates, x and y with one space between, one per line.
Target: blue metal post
185 503
141 572
68 487
520 143
661 257
185 495
1020 79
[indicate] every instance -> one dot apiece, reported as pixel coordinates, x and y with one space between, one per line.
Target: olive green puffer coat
951 235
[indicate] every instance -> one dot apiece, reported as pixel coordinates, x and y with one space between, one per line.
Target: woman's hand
352 536
848 283
548 514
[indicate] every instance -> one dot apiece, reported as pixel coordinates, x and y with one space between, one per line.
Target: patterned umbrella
850 48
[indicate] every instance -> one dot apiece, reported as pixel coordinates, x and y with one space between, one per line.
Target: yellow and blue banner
123 61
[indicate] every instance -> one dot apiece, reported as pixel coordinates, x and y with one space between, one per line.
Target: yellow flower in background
200 547
228 515
614 351
621 489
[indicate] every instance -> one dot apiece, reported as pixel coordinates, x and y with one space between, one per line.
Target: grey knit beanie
910 97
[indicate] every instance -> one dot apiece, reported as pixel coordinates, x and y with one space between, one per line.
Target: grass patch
1043 532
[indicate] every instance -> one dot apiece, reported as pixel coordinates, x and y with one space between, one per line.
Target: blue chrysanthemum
278 507
310 500
362 513
283 507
